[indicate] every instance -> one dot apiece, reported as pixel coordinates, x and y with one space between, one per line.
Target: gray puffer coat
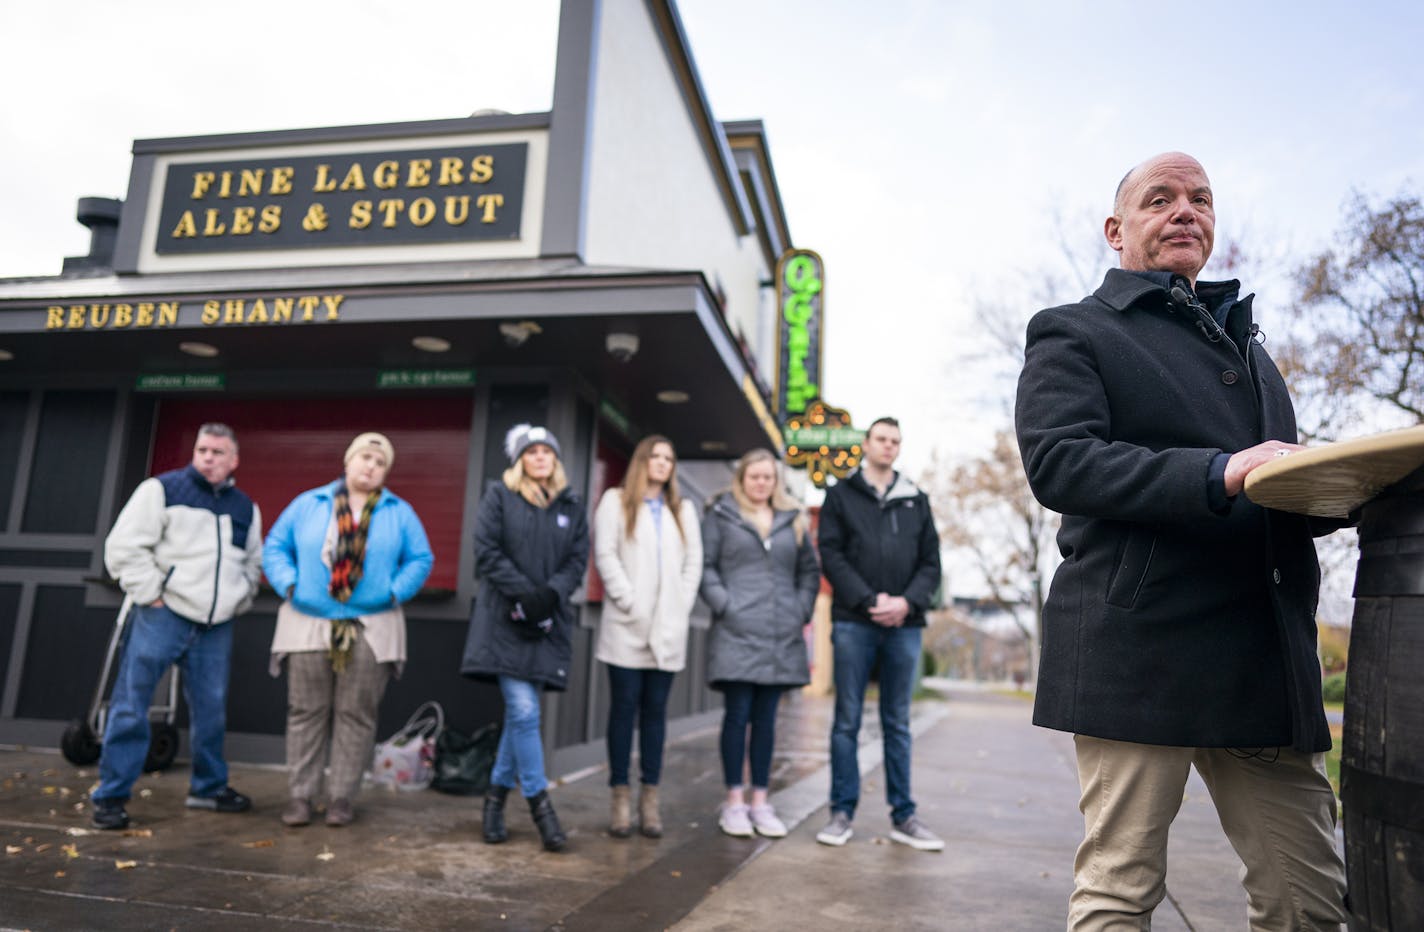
761 593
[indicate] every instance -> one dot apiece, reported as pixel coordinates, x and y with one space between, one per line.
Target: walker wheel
78 744
162 746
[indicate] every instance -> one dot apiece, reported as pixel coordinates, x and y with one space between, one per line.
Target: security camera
621 346
517 334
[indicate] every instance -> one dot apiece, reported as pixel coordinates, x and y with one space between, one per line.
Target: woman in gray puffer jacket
760 578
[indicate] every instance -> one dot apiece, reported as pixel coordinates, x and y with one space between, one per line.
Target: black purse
463 763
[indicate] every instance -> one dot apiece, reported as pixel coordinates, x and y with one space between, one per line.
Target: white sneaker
734 821
912 832
766 823
837 831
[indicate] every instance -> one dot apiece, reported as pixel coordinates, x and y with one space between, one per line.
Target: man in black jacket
1180 629
880 551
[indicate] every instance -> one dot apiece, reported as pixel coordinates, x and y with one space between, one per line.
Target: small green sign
181 382
823 436
616 417
425 378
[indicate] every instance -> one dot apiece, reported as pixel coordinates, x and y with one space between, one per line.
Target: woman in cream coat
648 549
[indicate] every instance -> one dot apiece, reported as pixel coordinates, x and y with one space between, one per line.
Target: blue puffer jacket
398 557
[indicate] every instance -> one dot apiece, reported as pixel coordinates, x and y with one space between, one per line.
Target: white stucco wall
652 199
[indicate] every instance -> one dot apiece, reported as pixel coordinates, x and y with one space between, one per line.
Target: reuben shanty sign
431 195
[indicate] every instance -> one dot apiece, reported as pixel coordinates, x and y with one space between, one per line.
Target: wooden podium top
1334 479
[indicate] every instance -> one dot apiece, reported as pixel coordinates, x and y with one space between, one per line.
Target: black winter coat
1170 621
870 546
762 593
519 548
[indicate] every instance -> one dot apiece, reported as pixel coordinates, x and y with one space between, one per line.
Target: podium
1382 756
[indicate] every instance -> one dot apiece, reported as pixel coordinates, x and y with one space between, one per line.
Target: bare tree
1360 358
986 512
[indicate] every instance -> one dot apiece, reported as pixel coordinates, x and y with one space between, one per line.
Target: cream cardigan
645 611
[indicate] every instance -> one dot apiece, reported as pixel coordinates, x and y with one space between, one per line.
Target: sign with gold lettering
440 195
800 280
181 382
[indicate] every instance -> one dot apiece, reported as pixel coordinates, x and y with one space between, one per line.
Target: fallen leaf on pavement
145 793
76 832
125 865
70 851
44 847
675 873
59 873
51 772
13 849
264 843
326 854
138 833
50 790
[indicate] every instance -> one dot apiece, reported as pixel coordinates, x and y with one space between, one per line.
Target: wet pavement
1002 793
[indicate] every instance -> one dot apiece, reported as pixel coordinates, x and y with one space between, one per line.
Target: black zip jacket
869 545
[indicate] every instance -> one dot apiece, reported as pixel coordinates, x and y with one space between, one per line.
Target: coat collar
726 505
1121 289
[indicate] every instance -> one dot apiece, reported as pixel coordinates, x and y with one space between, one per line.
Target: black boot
541 807
495 831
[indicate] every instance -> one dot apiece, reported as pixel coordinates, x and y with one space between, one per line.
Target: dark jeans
640 695
857 645
157 639
748 704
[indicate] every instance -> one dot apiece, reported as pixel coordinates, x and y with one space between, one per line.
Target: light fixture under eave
431 344
6 355
673 396
714 446
194 348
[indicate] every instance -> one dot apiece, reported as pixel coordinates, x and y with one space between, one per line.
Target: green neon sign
800 277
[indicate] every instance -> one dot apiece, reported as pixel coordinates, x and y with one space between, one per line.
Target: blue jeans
641 696
157 639
857 648
520 758
755 705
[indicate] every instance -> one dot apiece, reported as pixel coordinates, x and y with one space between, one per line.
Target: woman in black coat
531 551
760 578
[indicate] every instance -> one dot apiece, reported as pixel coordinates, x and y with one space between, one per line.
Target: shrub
1333 687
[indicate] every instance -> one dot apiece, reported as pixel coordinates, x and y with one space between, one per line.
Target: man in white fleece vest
187 548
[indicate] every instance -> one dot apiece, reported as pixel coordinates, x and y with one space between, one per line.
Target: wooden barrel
1382 760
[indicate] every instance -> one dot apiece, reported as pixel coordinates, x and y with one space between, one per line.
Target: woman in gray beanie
531 552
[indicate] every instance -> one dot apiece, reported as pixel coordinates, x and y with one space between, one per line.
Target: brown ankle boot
620 823
650 821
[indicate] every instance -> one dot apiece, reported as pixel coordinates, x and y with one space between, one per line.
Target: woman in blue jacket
344 556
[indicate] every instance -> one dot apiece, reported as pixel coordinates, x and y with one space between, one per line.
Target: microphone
1181 295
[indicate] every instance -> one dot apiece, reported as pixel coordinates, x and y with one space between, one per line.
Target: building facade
603 268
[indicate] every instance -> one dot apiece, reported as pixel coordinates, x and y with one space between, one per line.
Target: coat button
1229 377
1276 575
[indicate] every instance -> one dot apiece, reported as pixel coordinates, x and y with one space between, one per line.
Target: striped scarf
346 568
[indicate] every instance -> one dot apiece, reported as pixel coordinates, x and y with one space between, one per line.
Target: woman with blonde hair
649 552
760 578
531 552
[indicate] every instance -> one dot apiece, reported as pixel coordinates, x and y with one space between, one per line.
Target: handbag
463 763
406 760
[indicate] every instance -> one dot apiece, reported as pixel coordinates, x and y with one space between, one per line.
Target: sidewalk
1001 792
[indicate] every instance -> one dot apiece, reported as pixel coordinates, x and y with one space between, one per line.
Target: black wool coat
520 548
1174 619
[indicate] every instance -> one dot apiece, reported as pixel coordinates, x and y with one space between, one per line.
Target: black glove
533 612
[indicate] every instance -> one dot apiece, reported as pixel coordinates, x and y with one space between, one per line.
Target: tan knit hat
371 440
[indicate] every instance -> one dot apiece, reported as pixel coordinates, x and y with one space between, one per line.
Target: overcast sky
926 149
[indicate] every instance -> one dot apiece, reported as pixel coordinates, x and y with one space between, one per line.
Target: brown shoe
650 821
620 823
297 813
340 812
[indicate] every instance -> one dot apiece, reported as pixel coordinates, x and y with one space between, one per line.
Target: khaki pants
1276 808
330 715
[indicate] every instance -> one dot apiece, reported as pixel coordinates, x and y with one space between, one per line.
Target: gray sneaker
837 831
912 832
